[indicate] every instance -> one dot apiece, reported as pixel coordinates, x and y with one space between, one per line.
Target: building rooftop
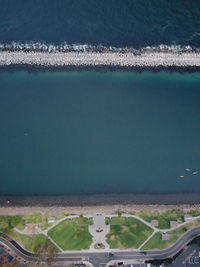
187 217
165 236
154 223
173 224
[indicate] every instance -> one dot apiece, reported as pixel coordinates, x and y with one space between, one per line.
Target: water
99 132
115 22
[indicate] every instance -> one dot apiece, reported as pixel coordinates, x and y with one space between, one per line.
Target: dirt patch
124 228
119 245
112 238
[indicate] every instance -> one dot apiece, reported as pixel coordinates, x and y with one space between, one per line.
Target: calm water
114 22
92 132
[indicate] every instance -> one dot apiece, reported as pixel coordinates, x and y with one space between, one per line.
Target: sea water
99 132
111 23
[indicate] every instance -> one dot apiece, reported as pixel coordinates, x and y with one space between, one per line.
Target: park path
59 221
99 237
158 229
96 236
55 244
179 225
142 245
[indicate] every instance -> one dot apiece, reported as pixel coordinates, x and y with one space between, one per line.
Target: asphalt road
102 258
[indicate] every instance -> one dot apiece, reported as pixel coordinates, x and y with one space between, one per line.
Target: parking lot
189 258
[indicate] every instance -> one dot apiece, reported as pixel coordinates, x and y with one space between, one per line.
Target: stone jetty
88 58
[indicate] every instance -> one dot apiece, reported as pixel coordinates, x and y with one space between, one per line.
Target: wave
64 47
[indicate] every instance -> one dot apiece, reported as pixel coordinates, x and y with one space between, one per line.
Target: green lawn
31 242
60 216
72 234
127 233
156 241
27 219
163 218
7 223
44 225
194 213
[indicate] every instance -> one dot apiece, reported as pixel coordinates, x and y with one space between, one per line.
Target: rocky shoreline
100 59
101 199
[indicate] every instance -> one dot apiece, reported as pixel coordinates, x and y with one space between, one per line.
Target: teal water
99 132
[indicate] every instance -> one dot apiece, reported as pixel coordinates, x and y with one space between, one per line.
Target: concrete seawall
59 59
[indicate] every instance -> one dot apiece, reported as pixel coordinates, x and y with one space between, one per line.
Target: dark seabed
99 132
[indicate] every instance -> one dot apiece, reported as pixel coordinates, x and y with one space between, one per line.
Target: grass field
163 218
26 219
72 234
127 233
7 223
156 241
44 225
31 242
194 213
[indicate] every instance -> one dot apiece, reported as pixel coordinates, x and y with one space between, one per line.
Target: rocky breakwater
93 59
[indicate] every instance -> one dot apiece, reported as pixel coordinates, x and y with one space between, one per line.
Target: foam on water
64 47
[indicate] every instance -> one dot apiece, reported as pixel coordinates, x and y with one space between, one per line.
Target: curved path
102 257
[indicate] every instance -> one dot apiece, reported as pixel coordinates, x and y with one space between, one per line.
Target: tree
51 252
45 254
6 263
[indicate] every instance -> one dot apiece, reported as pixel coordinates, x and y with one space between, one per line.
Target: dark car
111 254
143 252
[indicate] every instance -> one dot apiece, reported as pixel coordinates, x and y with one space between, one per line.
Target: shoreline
12 205
90 210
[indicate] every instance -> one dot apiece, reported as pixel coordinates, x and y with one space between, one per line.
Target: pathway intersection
99 237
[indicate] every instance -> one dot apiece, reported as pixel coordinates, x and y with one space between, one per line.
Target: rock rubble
146 59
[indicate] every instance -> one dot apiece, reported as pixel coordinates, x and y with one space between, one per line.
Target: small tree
119 213
45 253
51 254
12 263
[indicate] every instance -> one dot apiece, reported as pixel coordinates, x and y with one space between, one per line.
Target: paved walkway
142 245
30 229
179 225
100 237
55 244
59 221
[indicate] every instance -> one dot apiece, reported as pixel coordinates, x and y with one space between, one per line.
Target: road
97 258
